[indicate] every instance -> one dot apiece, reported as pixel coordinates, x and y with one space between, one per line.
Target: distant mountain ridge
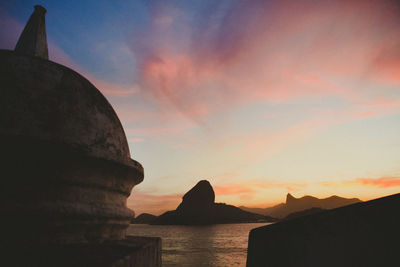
302 213
198 207
300 204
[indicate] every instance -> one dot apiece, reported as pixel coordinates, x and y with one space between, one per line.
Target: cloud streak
381 182
142 202
273 54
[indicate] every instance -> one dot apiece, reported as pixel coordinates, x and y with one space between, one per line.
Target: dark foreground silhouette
198 207
302 213
362 234
66 166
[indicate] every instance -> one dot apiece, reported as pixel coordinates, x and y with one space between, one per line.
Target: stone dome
44 100
65 157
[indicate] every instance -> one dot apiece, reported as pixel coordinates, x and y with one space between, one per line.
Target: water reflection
213 245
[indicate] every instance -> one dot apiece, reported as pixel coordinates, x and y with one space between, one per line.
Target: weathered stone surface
65 159
133 251
50 102
64 152
362 234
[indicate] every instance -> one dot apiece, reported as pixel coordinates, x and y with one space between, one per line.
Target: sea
212 245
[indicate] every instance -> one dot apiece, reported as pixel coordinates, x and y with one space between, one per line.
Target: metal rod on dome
33 39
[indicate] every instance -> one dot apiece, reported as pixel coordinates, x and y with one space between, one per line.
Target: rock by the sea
198 207
198 199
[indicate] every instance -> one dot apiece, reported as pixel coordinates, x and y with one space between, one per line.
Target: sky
261 98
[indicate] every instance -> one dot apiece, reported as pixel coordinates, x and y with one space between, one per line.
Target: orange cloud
383 182
144 196
233 190
292 186
251 187
151 203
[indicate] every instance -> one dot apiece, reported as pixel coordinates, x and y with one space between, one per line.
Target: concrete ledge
132 251
362 234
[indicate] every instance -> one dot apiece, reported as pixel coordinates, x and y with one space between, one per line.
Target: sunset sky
261 98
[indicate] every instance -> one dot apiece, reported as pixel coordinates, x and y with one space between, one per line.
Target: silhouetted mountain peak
303 203
289 198
200 197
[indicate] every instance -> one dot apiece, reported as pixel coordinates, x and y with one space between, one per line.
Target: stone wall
362 234
134 251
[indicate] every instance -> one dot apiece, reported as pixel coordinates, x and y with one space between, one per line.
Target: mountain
198 207
144 218
299 204
302 213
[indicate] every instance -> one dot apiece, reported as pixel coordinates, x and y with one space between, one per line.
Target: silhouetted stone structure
33 40
130 252
363 234
66 166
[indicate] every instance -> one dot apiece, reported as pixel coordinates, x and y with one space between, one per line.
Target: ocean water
213 245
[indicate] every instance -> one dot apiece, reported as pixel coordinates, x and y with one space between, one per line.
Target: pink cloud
12 28
157 130
387 62
135 140
113 89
